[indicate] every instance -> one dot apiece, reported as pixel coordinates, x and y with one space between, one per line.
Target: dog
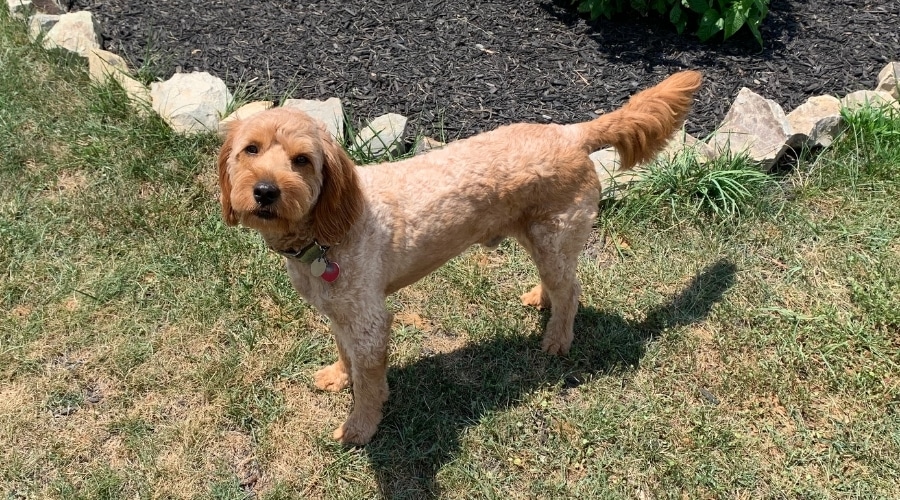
352 235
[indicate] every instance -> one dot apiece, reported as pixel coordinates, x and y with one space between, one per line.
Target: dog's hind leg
554 246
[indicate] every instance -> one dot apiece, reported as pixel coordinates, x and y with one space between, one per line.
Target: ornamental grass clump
725 187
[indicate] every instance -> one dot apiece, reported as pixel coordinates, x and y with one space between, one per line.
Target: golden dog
352 236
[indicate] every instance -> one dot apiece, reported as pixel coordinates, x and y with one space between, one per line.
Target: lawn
740 350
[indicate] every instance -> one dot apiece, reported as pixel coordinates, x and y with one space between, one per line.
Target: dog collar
308 254
314 255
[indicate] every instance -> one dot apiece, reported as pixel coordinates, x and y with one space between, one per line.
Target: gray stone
244 112
888 79
382 135
875 98
754 126
76 32
191 102
39 24
330 112
815 123
104 65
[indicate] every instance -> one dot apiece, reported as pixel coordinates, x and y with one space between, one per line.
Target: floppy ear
341 202
224 180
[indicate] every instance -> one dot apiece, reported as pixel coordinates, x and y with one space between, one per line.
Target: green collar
307 254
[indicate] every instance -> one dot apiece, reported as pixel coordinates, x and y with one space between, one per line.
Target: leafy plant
709 16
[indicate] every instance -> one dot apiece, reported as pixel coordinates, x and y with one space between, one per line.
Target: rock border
197 102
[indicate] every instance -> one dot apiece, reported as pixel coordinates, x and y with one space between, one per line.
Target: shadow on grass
433 400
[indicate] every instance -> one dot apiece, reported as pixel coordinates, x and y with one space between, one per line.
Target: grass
147 351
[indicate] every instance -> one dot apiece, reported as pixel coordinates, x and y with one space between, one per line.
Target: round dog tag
332 271
318 267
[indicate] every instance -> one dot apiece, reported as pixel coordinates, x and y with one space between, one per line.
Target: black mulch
465 66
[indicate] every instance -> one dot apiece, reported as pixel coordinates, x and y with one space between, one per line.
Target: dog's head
280 171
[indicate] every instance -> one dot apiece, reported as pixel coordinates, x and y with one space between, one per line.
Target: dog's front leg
336 376
366 342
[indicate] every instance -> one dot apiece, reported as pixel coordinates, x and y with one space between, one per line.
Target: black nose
266 193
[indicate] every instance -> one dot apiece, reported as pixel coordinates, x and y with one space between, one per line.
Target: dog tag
318 267
332 271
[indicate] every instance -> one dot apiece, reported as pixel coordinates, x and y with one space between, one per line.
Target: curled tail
640 129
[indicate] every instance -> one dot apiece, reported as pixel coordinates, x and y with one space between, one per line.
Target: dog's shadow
434 399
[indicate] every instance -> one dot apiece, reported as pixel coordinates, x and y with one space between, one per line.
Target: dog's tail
640 129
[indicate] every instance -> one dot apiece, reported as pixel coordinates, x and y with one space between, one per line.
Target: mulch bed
459 67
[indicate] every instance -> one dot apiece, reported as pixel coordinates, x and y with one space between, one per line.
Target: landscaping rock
755 126
682 141
76 32
382 135
876 98
19 8
426 144
191 102
606 162
48 6
888 79
103 65
330 112
244 112
815 123
612 180
39 24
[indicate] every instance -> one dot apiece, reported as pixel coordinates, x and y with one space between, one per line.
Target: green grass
737 335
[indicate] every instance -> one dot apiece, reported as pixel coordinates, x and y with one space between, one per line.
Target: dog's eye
300 160
251 149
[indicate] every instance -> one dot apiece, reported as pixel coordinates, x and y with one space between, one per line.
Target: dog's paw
555 346
354 433
332 378
536 298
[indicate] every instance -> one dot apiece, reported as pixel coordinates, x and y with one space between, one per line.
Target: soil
456 68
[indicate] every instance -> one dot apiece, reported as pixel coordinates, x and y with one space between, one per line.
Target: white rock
50 6
606 162
382 135
18 8
244 112
103 65
75 32
39 24
875 98
330 112
426 144
888 79
191 102
754 126
613 181
815 123
684 142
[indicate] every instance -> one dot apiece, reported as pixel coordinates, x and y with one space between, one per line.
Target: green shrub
709 16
